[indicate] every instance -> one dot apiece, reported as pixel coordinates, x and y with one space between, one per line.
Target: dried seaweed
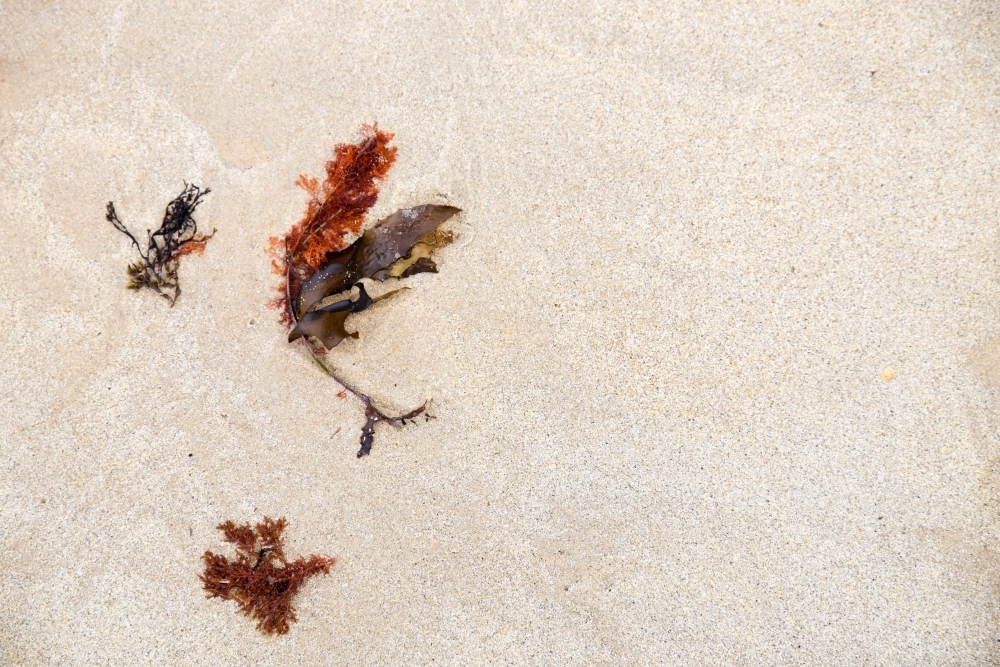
317 262
177 236
260 579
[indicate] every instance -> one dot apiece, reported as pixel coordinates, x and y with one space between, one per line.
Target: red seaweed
260 579
335 212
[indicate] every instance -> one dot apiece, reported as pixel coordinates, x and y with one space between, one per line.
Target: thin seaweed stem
372 413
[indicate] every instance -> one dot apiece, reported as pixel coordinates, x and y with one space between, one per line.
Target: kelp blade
327 327
333 278
328 323
394 237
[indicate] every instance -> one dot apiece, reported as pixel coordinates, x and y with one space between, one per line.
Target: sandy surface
693 240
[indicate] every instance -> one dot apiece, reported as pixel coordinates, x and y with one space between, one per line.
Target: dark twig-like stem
260 556
372 413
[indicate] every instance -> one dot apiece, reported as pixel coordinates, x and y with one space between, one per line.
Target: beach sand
694 241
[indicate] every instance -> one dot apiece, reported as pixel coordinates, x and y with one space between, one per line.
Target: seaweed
335 210
318 262
261 580
177 236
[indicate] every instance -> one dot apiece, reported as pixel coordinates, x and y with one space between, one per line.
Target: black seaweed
177 236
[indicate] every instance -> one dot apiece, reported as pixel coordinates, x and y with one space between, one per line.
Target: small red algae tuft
260 579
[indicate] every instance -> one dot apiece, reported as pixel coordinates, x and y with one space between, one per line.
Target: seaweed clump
323 256
261 580
177 236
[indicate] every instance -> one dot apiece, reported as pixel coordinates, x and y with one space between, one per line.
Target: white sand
693 239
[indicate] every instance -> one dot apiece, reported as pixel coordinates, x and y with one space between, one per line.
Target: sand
694 241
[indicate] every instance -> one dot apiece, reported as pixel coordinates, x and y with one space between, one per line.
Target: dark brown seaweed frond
177 236
260 579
